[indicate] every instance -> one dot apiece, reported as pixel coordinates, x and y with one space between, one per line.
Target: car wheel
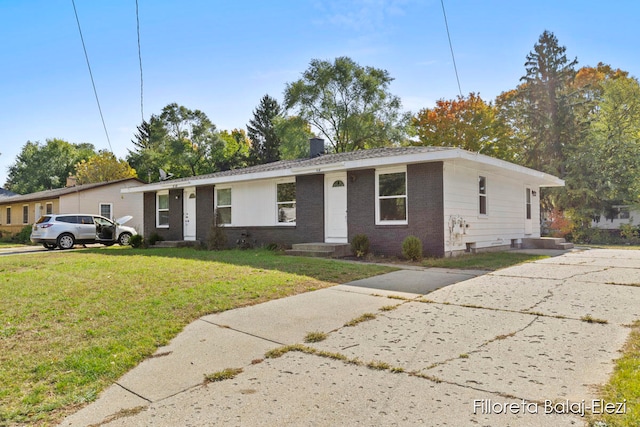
66 241
49 246
124 238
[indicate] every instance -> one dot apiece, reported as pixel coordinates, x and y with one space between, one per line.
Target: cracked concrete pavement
452 357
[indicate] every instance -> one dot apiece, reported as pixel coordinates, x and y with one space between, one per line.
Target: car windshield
102 221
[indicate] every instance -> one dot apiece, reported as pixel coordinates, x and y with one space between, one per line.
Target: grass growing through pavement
624 384
71 323
482 261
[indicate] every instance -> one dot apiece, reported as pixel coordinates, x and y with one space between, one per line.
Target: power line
140 61
446 24
95 92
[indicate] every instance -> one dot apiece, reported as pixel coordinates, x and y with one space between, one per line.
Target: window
528 203
106 209
8 216
482 193
286 203
49 208
391 192
162 210
25 214
223 205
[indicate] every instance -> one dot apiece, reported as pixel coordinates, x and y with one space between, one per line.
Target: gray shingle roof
320 160
6 193
57 192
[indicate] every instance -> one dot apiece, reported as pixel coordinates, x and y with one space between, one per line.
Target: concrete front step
326 250
176 243
546 243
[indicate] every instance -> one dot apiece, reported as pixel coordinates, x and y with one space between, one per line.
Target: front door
189 230
335 217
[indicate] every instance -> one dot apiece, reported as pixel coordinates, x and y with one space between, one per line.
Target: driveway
507 348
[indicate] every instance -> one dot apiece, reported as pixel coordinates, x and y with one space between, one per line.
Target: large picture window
391 192
223 205
482 195
286 204
162 207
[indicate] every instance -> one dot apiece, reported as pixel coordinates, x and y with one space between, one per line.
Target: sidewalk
512 336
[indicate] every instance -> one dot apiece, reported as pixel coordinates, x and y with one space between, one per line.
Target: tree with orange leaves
468 123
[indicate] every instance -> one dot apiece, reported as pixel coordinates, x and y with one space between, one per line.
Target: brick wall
425 215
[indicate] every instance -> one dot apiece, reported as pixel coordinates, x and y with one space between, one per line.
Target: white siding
253 203
506 210
614 224
88 201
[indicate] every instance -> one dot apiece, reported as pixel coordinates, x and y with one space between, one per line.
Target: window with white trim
286 202
25 214
528 203
223 205
162 209
106 210
391 197
482 195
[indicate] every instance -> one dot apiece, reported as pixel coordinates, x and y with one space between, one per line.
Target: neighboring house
102 198
452 199
620 214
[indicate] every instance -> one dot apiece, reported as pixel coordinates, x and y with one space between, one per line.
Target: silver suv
65 230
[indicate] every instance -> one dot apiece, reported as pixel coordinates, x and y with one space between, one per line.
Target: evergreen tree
265 143
548 103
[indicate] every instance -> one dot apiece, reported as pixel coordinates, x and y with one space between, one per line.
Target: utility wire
140 61
95 92
446 24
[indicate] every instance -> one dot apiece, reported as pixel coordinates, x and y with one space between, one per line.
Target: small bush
412 248
217 239
136 241
360 245
154 238
23 236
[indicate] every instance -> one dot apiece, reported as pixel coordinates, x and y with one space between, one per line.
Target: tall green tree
235 151
103 167
265 142
548 105
181 141
348 104
294 133
604 168
46 166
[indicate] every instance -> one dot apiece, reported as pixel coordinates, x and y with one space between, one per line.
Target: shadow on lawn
318 268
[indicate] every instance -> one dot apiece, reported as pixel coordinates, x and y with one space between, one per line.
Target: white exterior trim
384 171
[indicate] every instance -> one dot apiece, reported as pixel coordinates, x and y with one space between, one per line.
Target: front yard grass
624 385
71 323
483 261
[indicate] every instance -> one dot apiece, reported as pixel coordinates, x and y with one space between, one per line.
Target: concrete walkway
454 357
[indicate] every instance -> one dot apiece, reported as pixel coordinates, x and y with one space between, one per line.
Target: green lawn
71 323
482 261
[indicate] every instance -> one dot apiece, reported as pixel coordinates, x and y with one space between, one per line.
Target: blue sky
222 56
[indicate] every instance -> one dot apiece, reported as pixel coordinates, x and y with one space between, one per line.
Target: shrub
412 248
154 238
136 241
23 236
360 245
217 239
